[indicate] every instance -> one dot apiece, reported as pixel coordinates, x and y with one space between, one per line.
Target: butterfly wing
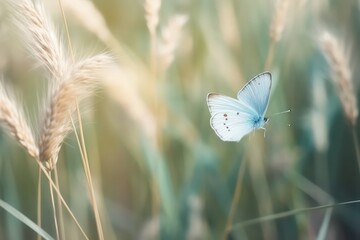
256 93
230 118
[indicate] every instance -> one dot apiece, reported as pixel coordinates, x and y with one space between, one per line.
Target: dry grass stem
120 86
52 184
41 38
79 84
54 211
38 207
13 119
170 36
341 74
90 17
236 198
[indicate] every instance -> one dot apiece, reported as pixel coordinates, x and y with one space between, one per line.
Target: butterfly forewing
256 93
219 103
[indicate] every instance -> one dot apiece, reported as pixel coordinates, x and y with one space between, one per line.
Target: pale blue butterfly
232 118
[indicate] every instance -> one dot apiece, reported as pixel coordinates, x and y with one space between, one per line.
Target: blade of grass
22 218
289 213
325 225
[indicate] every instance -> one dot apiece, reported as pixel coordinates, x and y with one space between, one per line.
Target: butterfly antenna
287 111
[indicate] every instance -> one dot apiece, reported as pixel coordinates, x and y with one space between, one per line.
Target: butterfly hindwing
231 125
231 119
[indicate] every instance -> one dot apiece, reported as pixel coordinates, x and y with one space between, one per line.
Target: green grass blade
24 219
289 213
325 225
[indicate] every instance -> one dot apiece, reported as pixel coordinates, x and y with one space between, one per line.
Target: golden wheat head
80 83
41 38
13 118
152 8
341 74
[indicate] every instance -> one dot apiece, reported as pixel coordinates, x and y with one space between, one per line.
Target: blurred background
159 170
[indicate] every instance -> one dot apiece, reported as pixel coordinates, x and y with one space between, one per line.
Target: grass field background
159 171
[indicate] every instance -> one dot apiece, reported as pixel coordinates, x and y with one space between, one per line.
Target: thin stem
289 213
54 210
38 217
67 31
61 197
159 123
356 145
88 176
236 198
270 56
59 205
82 142
261 187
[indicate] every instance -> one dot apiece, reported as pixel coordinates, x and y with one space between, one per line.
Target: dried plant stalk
90 17
14 120
120 86
79 84
41 38
341 74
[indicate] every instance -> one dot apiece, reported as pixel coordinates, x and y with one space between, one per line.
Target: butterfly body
233 118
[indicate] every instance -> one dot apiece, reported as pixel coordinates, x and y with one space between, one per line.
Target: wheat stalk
41 38
341 74
79 84
12 117
90 17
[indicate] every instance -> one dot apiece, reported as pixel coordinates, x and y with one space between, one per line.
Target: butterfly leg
264 131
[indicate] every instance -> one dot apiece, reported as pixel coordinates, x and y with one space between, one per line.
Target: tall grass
142 162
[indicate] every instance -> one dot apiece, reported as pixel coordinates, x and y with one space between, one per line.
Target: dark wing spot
224 123
225 115
258 83
228 130
227 127
237 113
226 119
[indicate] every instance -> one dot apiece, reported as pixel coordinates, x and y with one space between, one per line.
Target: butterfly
233 118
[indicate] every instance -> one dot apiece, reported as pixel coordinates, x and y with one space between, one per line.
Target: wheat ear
152 9
12 117
80 83
276 29
341 74
41 38
170 37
